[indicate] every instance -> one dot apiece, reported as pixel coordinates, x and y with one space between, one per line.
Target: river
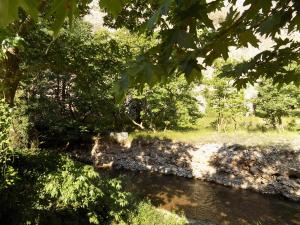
199 200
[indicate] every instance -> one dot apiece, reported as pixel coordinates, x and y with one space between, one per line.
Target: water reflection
206 201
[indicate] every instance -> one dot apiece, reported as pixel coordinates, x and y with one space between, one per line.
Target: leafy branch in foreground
190 38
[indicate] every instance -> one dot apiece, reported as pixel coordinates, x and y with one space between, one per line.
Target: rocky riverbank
272 170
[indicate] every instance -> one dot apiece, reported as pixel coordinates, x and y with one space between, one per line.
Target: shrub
53 189
8 174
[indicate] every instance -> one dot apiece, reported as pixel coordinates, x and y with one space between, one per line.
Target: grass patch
233 137
146 214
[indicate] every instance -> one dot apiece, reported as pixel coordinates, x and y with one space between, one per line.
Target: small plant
148 215
8 174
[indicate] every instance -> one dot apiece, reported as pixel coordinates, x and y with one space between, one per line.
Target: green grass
251 131
146 214
208 136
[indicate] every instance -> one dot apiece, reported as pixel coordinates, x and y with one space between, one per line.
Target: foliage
225 101
8 174
71 94
10 49
273 103
56 9
21 126
148 215
181 38
79 188
13 136
53 189
170 106
188 32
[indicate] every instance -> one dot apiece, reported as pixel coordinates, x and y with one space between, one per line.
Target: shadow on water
200 200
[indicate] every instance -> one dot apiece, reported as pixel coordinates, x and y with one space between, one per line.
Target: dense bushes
72 94
173 105
273 103
8 174
265 101
53 189
225 102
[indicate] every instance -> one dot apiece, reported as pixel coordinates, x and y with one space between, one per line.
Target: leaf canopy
190 39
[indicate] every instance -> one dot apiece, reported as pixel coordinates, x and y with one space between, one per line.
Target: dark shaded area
18 201
148 151
28 202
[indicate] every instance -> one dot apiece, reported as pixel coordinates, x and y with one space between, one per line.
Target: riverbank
265 169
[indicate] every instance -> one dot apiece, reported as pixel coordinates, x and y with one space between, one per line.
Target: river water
199 200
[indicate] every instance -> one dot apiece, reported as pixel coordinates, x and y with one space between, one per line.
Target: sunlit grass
251 131
233 137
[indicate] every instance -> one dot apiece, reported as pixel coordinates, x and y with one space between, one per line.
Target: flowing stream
201 201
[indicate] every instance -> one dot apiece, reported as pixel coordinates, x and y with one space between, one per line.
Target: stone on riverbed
119 137
273 170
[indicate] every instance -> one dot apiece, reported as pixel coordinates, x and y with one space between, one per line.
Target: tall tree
273 103
225 101
17 30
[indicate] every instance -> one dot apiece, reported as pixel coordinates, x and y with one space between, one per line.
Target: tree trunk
10 89
12 75
280 124
273 122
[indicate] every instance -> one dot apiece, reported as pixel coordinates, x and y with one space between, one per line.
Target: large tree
18 30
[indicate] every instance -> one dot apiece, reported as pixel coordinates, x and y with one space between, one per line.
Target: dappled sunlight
200 200
154 87
267 170
271 170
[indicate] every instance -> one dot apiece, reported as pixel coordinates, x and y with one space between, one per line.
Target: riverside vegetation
60 87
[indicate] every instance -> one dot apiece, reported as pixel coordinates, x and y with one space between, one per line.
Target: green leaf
271 24
8 11
59 21
183 38
113 6
31 7
56 6
248 37
153 20
163 9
